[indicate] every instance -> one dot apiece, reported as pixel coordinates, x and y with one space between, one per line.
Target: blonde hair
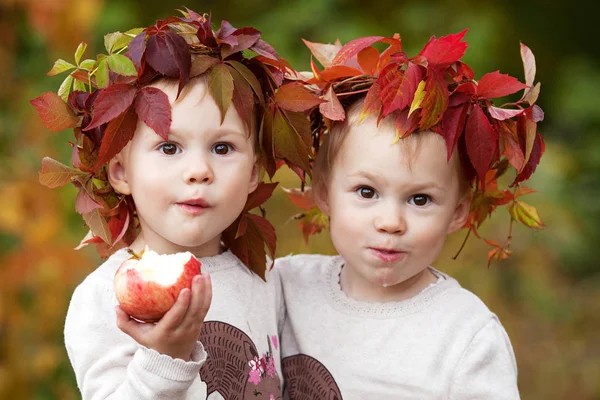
334 140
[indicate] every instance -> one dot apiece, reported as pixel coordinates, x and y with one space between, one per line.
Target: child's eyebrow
364 174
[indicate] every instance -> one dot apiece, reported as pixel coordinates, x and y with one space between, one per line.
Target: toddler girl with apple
167 157
412 154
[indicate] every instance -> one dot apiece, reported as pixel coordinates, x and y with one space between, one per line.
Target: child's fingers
206 297
193 316
173 318
125 323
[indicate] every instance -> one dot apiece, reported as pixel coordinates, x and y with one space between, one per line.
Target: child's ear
321 199
117 176
461 213
255 177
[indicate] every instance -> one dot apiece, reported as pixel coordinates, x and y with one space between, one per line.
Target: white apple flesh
147 287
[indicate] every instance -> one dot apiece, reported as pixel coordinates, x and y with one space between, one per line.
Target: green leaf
79 52
60 66
116 41
102 74
221 87
78 85
65 88
526 214
121 65
87 64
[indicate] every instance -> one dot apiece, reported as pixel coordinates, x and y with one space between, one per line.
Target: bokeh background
547 294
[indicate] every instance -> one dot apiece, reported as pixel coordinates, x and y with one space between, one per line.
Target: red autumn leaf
250 248
136 48
372 104
526 214
353 47
497 253
220 85
445 50
368 59
503 113
98 225
495 84
152 106
324 53
180 52
265 49
118 133
435 101
295 96
159 57
266 133
301 124
55 174
535 113
511 148
453 125
249 77
523 191
405 124
243 99
528 64
313 222
481 140
84 203
201 64
54 112
301 199
288 143
534 159
398 87
332 109
119 224
110 103
526 133
339 71
260 195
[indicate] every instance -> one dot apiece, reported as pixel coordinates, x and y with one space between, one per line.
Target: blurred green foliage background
547 294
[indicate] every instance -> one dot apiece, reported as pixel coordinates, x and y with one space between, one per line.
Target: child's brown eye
222 148
366 192
420 200
168 149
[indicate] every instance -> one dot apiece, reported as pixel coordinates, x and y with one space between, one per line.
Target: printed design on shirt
307 379
233 368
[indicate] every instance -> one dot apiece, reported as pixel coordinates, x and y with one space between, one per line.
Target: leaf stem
463 245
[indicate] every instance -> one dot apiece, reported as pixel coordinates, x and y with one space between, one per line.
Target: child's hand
178 330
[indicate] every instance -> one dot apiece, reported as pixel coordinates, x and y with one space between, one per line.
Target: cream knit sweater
443 343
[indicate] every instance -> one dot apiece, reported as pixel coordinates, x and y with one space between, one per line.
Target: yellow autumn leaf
526 214
419 96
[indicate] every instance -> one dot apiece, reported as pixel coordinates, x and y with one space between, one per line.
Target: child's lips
194 206
387 255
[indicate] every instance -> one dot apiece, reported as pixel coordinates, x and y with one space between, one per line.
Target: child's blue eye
222 148
168 148
366 192
419 200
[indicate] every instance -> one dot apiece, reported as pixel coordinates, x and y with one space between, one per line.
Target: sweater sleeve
487 369
109 364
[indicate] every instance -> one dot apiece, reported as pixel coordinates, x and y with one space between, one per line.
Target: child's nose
391 220
198 171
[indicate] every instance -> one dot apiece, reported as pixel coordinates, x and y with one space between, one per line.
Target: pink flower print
271 397
275 341
271 370
254 376
257 365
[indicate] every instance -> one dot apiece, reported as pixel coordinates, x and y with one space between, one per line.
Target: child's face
191 188
391 209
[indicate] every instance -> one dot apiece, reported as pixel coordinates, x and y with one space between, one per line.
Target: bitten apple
148 286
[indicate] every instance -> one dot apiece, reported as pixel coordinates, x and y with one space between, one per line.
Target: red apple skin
147 300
